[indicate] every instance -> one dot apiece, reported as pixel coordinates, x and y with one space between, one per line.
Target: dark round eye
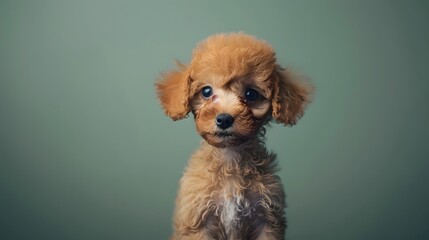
206 91
251 94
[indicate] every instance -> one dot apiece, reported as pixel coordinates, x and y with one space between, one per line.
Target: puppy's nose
224 121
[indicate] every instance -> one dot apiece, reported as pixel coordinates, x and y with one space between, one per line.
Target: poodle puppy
233 86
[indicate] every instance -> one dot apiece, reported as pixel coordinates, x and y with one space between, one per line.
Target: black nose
224 121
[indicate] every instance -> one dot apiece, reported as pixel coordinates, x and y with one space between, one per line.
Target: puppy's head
233 86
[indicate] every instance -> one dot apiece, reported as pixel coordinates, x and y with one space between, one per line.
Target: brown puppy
233 86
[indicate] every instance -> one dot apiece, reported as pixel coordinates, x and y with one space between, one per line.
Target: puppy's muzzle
224 121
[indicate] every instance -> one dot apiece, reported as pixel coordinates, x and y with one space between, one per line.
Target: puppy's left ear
291 94
173 92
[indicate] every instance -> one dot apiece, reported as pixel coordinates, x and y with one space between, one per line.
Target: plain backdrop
87 153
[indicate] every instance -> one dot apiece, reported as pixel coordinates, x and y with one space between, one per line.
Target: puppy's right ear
173 92
291 96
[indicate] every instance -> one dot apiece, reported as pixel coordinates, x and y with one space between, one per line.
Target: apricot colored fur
229 189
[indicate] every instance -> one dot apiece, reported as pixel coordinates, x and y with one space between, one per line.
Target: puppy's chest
236 195
235 203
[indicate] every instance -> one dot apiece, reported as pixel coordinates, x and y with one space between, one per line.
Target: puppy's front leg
210 229
195 216
272 210
268 234
193 236
190 216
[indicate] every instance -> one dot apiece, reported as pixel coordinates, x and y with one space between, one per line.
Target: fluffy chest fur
239 187
235 206
230 193
235 202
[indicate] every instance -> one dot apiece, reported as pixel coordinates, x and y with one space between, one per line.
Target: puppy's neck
244 148
247 158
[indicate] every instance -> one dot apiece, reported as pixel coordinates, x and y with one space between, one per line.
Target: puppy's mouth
223 134
222 138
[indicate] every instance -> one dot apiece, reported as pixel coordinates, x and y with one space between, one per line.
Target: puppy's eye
251 95
206 91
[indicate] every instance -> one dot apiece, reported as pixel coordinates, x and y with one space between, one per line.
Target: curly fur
229 189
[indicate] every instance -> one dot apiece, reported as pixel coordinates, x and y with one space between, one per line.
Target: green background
86 152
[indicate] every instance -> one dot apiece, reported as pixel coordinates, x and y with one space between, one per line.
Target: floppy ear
173 93
290 97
